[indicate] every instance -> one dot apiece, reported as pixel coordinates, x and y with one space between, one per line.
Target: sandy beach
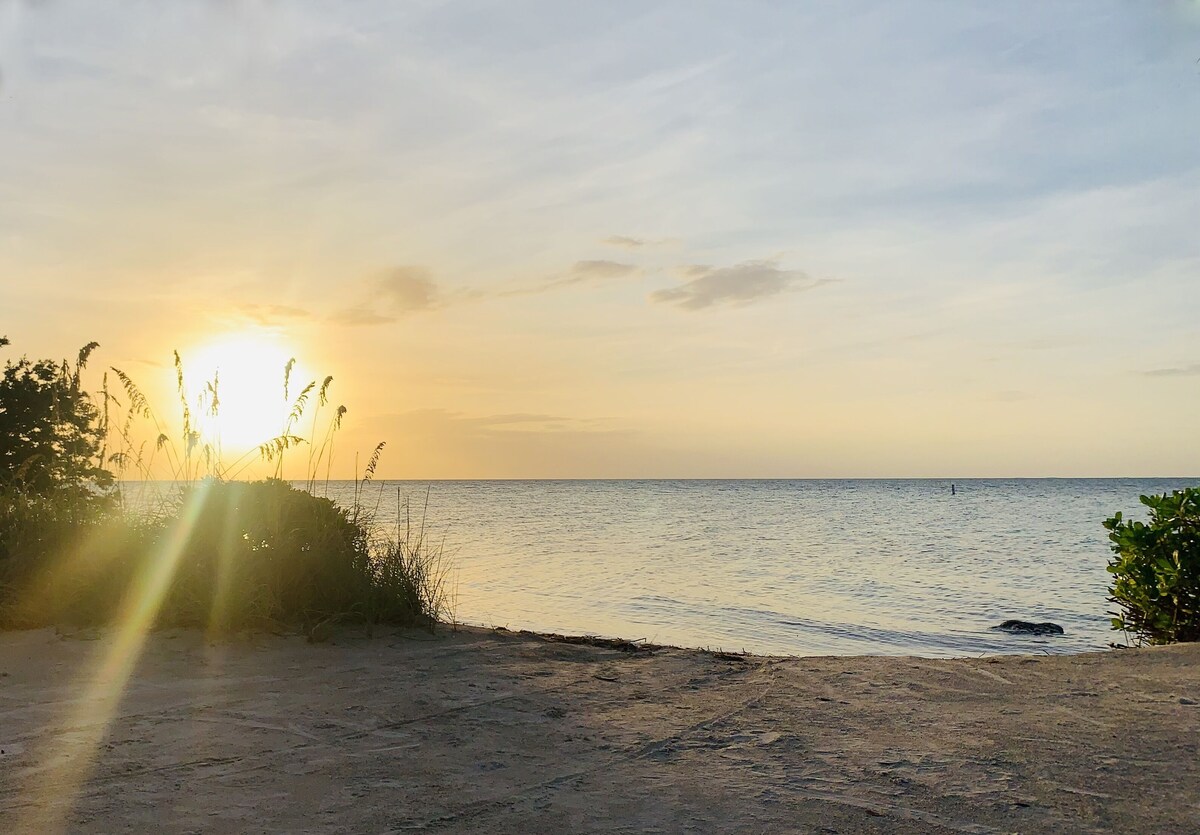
494 731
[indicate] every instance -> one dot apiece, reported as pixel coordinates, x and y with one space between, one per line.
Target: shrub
51 434
222 554
63 560
1156 569
241 555
264 551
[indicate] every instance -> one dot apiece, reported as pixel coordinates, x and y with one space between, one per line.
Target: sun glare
249 367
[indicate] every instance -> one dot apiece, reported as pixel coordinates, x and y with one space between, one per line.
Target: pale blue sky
857 238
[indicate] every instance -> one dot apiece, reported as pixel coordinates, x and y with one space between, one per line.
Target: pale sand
499 732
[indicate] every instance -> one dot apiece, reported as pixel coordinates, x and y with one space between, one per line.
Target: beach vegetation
51 433
213 550
1156 569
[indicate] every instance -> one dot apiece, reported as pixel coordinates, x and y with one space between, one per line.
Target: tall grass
409 570
191 454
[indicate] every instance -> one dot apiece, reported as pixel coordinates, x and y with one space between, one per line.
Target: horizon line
955 479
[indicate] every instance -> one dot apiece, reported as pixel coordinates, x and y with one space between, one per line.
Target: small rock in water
1025 627
1184 700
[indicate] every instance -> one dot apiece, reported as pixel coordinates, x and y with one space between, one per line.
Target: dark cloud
391 295
705 286
1192 370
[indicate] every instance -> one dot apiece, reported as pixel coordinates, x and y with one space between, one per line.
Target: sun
249 367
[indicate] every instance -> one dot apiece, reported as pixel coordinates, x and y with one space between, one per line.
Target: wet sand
482 731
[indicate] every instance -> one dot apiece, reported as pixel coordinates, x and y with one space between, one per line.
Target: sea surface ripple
804 567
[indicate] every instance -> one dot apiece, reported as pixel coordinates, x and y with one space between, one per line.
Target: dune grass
235 554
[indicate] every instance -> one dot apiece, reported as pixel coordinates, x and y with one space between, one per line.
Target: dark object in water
1025 627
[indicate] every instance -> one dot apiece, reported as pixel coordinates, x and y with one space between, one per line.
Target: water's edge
779 567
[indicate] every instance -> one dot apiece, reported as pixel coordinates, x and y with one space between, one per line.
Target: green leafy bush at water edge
1156 569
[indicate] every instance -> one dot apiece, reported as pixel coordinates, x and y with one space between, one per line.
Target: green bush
240 555
63 561
1156 569
262 549
55 494
222 554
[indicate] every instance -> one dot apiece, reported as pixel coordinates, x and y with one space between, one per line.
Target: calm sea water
781 567
787 567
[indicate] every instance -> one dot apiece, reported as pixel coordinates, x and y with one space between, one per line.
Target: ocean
805 567
781 567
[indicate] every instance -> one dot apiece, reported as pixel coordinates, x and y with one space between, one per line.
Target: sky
629 239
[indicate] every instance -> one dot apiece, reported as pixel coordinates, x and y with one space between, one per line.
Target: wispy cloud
516 445
628 242
391 295
582 272
361 315
531 429
1192 370
407 289
506 422
523 421
1009 396
741 284
625 242
269 314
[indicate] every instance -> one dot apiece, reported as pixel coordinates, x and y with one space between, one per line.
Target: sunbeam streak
66 765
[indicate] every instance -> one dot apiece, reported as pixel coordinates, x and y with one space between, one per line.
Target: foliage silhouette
51 433
240 554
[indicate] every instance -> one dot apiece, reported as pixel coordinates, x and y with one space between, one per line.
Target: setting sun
249 367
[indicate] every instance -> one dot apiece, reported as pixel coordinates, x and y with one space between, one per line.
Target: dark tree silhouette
51 436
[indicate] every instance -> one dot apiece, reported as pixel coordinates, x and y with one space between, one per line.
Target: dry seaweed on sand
621 644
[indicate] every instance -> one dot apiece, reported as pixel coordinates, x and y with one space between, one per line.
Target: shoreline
478 729
643 644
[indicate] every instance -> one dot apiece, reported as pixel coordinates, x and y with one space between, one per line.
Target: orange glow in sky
626 240
249 367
